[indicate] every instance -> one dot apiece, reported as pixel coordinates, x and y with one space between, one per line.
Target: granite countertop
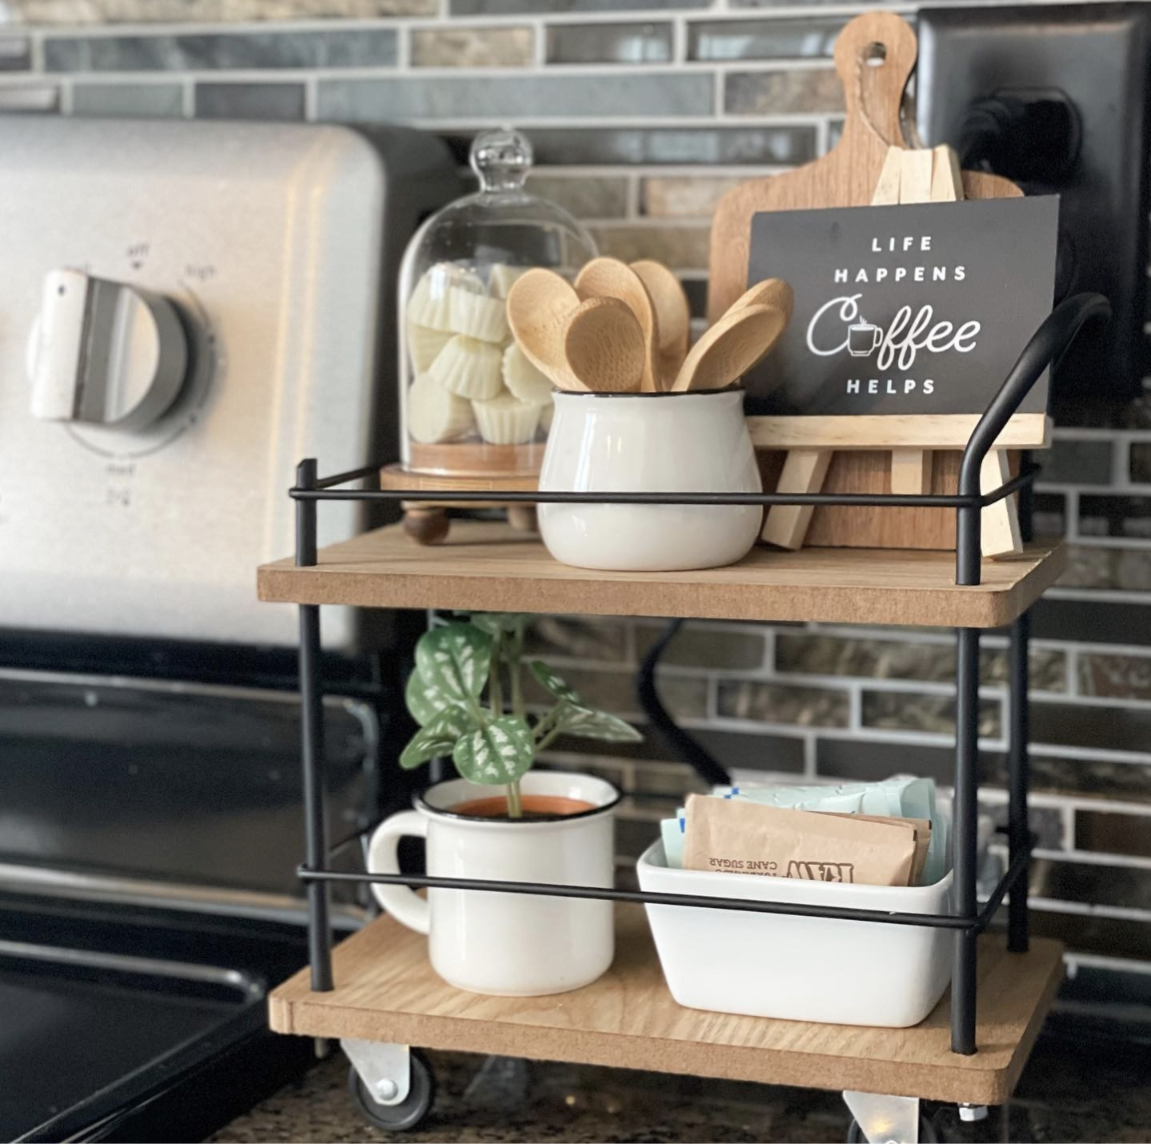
1078 1086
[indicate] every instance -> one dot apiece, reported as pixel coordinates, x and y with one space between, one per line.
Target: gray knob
104 353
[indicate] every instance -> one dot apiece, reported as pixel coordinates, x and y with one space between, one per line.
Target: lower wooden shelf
387 991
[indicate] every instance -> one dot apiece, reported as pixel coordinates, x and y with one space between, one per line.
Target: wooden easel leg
804 471
999 522
911 471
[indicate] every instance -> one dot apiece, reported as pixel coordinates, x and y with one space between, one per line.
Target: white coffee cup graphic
863 339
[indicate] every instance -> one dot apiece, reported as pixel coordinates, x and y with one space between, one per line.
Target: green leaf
553 683
438 739
587 723
497 754
497 623
455 660
425 700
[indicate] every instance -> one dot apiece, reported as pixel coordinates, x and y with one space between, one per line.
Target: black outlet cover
1098 58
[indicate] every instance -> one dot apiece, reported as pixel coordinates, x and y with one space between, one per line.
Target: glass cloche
472 404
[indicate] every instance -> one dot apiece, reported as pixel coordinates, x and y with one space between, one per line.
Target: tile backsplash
643 113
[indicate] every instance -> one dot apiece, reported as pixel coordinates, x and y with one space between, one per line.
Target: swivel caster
407 1113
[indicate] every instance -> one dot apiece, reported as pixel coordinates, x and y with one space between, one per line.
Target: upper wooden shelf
387 991
488 566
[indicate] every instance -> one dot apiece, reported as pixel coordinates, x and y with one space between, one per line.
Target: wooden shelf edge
901 1068
491 569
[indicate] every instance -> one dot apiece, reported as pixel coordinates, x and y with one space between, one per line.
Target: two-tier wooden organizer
377 986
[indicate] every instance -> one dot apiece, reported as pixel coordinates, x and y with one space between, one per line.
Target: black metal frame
968 921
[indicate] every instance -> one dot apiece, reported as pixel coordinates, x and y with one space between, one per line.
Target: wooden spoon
769 292
610 278
539 304
673 313
731 347
604 346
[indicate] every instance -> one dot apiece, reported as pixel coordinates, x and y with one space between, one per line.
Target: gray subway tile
529 98
339 48
1113 937
1114 676
1094 621
783 92
250 101
1115 516
69 13
761 39
1141 462
681 248
664 146
934 714
734 648
1109 728
609 43
779 703
1113 833
1073 462
15 54
1092 882
29 98
129 100
685 196
555 7
577 637
585 196
446 46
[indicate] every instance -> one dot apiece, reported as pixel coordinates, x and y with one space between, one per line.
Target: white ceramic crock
511 945
651 442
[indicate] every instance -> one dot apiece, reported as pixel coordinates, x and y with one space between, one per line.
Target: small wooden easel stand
908 176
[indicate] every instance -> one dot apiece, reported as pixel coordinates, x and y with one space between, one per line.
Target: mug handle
402 902
876 338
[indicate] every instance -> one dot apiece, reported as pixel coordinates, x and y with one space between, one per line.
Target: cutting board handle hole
875 54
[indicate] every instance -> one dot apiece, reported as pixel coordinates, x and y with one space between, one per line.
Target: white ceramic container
654 442
512 945
799 969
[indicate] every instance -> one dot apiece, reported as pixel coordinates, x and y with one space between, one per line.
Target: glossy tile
446 46
780 703
609 43
663 146
684 196
1117 516
681 248
1115 676
1108 728
534 97
720 40
554 7
577 637
588 197
934 714
272 101
341 48
783 92
15 53
1075 462
73 13
28 98
129 100
693 646
1128 834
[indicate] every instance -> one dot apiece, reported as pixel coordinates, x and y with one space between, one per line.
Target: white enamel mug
658 443
511 945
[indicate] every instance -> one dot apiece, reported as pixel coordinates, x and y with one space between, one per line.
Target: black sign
903 309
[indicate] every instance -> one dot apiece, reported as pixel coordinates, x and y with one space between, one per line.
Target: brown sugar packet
921 826
736 836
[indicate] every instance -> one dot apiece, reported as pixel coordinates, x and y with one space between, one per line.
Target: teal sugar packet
672 832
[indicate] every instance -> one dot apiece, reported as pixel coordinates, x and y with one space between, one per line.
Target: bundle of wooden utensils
625 329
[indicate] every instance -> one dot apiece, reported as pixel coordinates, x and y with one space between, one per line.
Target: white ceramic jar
650 442
511 945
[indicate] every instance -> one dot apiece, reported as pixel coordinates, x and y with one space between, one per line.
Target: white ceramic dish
800 969
654 442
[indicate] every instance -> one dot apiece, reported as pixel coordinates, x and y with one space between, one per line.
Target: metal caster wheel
927 1133
409 1112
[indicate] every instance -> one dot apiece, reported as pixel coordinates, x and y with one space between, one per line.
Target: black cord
689 749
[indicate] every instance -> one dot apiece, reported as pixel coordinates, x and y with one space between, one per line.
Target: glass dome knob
502 159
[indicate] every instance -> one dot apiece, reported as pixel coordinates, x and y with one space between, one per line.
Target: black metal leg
964 842
1018 829
315 823
312 745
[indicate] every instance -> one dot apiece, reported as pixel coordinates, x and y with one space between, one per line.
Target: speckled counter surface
1076 1088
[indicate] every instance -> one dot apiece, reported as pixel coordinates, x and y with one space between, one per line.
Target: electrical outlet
1058 98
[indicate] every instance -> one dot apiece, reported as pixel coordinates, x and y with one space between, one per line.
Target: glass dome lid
471 402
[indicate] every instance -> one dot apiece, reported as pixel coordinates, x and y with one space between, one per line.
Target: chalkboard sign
911 309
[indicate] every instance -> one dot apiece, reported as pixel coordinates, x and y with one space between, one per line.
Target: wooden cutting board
874 56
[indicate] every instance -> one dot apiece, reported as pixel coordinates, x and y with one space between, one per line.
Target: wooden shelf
387 991
490 567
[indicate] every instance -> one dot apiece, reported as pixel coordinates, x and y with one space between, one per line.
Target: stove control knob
104 353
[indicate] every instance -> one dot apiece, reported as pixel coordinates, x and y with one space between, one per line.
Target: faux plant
492 738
